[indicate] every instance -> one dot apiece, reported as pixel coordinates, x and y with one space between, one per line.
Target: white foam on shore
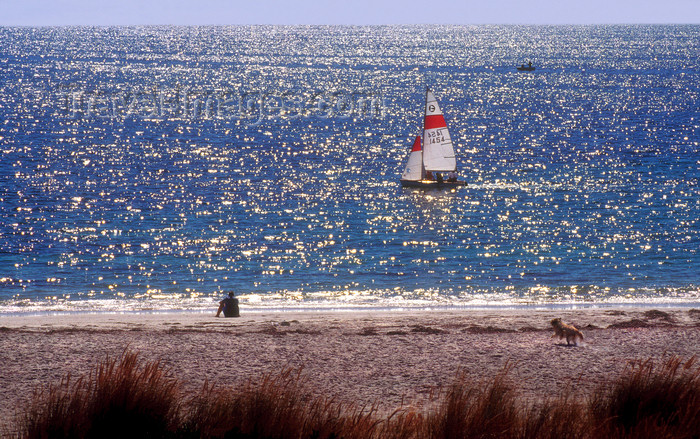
347 308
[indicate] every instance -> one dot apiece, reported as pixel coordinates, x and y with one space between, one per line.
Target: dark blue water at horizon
155 167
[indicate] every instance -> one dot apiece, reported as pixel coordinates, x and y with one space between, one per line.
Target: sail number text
436 136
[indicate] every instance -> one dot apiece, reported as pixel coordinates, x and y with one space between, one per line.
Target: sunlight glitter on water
582 178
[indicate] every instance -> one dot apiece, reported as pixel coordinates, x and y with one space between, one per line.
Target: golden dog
562 330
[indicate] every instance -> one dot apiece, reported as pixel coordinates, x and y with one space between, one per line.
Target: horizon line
3 25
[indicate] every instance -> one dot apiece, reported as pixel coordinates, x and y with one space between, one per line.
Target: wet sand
387 358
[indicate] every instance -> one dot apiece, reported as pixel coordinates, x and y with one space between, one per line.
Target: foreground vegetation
127 398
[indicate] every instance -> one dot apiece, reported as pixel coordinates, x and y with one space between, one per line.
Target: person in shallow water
229 306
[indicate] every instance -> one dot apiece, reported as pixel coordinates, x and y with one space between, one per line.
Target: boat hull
525 69
431 184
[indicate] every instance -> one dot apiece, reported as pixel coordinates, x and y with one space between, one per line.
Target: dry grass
475 411
558 418
128 399
651 402
118 399
275 407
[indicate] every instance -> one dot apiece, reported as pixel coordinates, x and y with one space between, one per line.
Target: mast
425 113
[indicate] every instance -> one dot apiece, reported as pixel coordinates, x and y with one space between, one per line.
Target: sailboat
433 154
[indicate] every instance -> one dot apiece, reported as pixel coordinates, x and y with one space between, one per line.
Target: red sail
416 144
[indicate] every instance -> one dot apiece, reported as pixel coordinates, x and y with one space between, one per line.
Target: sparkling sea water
154 168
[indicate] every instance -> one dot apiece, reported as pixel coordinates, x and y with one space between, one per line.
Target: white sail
414 167
438 153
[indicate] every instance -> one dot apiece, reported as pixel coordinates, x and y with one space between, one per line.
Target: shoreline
682 304
593 314
367 357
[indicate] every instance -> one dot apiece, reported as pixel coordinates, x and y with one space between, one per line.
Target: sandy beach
387 358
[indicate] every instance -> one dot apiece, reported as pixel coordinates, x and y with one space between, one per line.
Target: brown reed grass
129 399
120 398
276 406
563 417
471 410
650 401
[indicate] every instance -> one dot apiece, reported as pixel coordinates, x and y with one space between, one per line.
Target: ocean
154 168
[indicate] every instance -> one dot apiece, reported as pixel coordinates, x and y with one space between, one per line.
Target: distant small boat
526 68
434 155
